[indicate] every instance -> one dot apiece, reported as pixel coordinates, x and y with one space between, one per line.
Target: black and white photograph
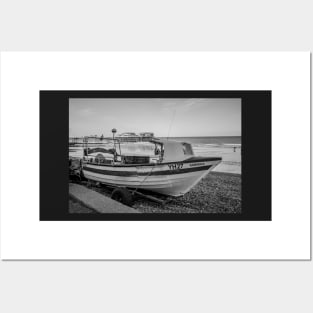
155 155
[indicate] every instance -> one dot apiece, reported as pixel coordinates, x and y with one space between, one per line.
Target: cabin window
158 149
187 148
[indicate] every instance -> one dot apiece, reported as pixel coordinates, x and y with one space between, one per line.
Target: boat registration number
175 166
196 164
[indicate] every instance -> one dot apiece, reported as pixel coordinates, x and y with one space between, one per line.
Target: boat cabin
156 151
176 151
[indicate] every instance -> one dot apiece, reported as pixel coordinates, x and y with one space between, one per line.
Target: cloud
180 105
85 111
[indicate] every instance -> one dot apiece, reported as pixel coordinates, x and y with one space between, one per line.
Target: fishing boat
169 167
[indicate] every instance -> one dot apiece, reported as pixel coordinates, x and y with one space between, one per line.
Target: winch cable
143 180
169 129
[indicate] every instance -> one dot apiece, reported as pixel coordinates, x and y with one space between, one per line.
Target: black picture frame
256 110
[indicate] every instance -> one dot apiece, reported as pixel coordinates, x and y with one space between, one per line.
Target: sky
164 117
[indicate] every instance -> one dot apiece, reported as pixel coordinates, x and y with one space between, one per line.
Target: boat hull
172 178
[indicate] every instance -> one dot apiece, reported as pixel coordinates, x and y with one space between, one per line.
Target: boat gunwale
190 160
157 173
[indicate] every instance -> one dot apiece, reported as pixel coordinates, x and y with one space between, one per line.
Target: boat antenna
169 129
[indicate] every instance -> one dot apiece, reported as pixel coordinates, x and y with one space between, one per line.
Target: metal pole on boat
113 132
85 145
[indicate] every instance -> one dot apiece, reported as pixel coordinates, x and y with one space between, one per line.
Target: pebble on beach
216 193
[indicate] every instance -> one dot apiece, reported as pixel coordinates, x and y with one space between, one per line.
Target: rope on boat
143 180
169 129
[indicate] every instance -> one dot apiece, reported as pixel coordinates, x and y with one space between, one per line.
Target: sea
229 148
209 140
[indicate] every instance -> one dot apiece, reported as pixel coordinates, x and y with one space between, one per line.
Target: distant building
92 139
133 137
128 137
147 136
86 139
75 140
